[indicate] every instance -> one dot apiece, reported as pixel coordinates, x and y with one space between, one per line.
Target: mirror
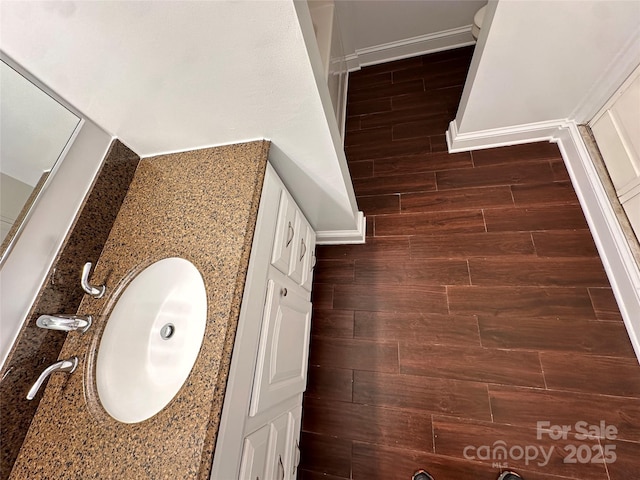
35 130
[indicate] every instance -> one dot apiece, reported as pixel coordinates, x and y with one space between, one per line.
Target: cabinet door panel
280 441
281 368
283 244
293 443
255 455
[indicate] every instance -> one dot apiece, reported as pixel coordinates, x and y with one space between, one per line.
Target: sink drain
167 331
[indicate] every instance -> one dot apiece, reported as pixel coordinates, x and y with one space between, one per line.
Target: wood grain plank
377 462
560 173
552 217
372 136
448 73
561 243
521 301
383 426
368 151
527 406
322 295
393 184
427 162
330 384
392 298
472 245
385 90
368 106
436 58
605 304
472 364
439 143
427 328
491 176
544 194
352 124
591 374
361 169
574 272
434 395
379 204
313 475
627 464
453 435
425 101
439 109
325 454
332 323
431 223
354 354
421 128
562 335
362 79
370 226
375 248
528 152
464 199
416 272
334 271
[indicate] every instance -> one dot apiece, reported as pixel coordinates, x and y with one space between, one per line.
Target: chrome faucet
68 366
95 292
65 323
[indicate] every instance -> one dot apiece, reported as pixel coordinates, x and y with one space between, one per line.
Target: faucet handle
95 292
68 366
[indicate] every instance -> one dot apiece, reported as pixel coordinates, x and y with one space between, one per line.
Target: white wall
381 30
546 60
171 76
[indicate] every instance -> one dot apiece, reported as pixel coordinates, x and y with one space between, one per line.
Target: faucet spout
68 366
65 323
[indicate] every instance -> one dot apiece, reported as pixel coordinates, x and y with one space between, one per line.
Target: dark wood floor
477 307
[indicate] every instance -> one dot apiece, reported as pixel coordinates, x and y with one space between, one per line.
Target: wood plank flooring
477 308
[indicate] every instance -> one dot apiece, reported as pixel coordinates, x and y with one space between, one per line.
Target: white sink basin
151 340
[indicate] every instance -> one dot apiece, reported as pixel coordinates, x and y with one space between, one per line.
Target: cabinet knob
284 292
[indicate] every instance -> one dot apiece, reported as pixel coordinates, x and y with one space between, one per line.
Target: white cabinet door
255 455
284 243
292 459
281 367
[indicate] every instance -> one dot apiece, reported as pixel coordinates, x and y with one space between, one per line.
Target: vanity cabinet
259 431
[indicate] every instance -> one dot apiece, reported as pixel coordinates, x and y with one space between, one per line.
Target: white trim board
622 270
342 237
410 47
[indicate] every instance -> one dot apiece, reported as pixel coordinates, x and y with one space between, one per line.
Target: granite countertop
202 206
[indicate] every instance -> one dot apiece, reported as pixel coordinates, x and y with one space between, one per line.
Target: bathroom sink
151 340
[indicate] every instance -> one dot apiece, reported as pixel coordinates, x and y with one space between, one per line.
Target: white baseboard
410 47
622 270
499 137
341 237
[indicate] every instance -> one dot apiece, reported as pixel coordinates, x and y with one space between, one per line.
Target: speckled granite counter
201 206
